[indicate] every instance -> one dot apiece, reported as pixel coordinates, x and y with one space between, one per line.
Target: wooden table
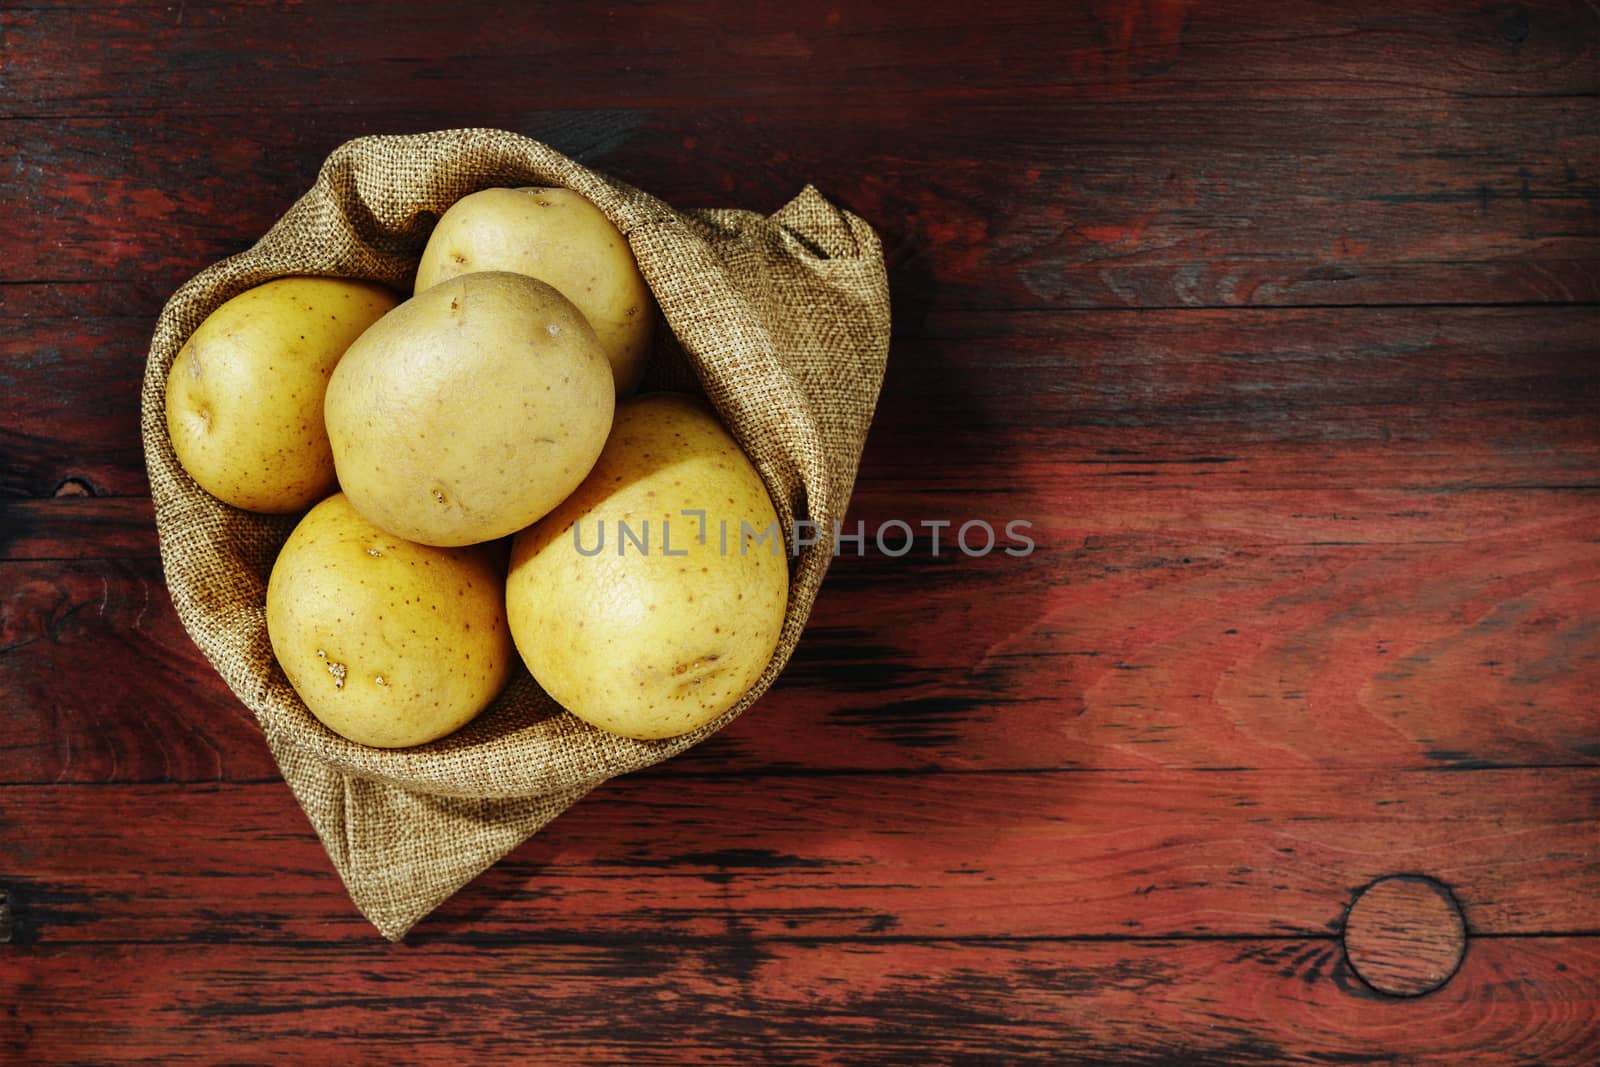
1277 321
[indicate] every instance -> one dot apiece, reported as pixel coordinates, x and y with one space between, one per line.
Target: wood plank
1310 398
1318 398
1183 645
1151 628
1351 549
75 525
69 403
68 60
742 1000
88 302
1060 202
99 682
673 855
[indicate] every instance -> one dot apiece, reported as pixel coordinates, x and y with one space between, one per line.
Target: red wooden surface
1279 323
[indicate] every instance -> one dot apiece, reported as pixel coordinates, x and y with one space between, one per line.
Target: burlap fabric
781 321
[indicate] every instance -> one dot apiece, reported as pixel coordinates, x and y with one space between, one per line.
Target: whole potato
559 237
470 410
244 395
389 643
655 641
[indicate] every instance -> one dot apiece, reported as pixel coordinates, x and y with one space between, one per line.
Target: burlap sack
782 322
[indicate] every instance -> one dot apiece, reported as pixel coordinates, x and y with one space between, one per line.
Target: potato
653 642
244 395
559 237
389 643
470 410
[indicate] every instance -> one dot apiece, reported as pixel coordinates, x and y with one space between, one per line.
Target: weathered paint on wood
1160 628
1059 203
681 55
1044 854
1301 398
737 1000
1280 324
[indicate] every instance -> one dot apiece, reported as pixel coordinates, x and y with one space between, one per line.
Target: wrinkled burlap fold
781 321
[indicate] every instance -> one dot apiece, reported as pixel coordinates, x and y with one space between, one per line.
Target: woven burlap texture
781 321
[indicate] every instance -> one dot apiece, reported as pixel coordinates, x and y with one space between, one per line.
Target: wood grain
1057 205
741 1000
1279 322
1259 399
101 683
69 60
677 854
69 407
1308 398
76 525
1405 935
1160 628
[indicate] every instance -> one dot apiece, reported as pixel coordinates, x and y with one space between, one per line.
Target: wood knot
73 487
1515 25
1405 935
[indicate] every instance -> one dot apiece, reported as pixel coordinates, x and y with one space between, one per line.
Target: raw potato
559 237
388 643
652 644
244 395
470 410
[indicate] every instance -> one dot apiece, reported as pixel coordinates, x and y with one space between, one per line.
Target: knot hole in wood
1405 935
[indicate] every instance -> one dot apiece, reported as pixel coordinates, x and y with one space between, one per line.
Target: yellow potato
559 237
389 643
470 410
244 396
655 641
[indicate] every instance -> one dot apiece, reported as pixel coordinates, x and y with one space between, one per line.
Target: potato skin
653 645
470 410
559 237
244 395
389 643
